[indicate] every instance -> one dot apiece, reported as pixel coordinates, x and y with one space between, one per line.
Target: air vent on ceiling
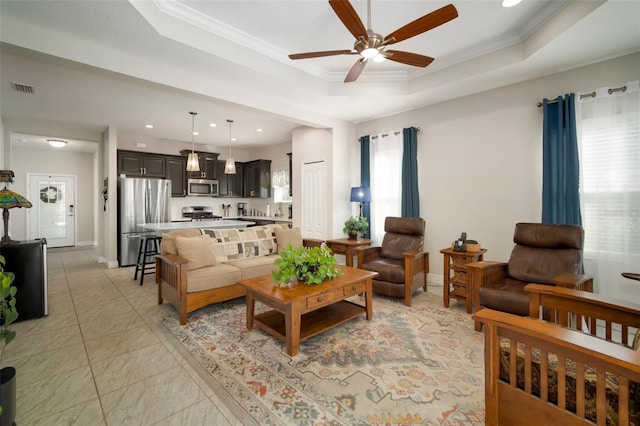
23 88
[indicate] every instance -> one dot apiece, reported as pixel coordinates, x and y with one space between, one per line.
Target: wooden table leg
445 281
251 304
349 255
292 319
368 297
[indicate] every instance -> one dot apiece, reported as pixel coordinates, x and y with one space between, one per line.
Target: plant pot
8 396
353 236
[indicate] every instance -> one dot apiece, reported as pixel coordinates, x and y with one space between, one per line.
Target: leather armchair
401 264
543 254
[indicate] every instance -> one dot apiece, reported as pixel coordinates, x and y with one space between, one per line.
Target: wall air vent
22 88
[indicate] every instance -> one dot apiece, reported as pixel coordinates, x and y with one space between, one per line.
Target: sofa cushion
236 244
218 276
286 236
197 250
168 245
255 266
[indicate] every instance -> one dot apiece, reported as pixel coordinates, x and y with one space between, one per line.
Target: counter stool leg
140 250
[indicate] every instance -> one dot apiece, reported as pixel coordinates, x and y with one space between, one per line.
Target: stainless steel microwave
202 187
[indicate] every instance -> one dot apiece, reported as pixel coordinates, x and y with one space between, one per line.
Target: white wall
480 157
52 162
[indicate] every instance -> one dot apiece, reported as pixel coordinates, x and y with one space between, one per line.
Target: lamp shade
9 200
230 167
361 194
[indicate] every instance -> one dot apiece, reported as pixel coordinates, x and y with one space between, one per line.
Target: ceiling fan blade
409 58
320 54
426 23
349 18
355 71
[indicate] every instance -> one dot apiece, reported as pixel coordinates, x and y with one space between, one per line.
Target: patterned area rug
408 366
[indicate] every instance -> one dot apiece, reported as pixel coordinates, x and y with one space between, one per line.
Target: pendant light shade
230 164
193 165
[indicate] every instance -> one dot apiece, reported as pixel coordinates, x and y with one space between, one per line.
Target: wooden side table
345 246
458 285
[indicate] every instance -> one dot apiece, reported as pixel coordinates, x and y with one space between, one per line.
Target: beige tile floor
97 358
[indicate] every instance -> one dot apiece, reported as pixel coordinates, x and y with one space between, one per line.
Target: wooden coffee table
302 311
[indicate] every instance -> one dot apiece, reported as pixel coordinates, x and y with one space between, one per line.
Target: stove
199 213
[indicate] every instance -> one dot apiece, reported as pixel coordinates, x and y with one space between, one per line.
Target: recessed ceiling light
233 139
212 124
510 3
149 126
196 133
57 143
259 130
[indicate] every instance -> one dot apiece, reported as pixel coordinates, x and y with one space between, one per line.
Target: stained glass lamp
9 200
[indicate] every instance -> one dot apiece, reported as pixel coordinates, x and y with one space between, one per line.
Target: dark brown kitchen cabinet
176 171
257 179
208 165
133 163
230 185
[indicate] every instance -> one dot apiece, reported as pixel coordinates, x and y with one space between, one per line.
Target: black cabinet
176 171
208 162
236 182
133 164
28 262
230 185
257 179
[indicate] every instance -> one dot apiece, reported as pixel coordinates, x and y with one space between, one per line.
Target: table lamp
9 200
360 194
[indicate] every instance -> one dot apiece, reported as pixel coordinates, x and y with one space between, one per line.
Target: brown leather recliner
401 264
544 254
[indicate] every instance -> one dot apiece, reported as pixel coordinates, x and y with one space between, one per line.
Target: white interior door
54 208
314 204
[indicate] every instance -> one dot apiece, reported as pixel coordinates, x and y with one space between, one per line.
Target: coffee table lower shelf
312 323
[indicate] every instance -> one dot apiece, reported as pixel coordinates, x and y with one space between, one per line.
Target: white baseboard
111 264
435 278
85 243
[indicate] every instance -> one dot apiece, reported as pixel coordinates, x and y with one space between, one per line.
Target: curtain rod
384 135
590 94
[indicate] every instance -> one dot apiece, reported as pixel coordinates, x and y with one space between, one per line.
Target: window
610 183
386 181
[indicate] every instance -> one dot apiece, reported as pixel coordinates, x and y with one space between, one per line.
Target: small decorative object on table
354 226
309 265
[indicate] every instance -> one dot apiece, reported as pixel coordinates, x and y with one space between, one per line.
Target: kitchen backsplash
177 203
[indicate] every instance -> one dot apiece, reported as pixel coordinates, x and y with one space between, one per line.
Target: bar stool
149 247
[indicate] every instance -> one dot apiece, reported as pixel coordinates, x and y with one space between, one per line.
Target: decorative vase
353 236
8 396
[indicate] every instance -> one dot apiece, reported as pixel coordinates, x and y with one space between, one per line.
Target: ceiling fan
370 45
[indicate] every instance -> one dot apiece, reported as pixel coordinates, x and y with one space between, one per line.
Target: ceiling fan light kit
370 45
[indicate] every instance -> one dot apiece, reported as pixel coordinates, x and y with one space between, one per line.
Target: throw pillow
197 250
285 236
168 244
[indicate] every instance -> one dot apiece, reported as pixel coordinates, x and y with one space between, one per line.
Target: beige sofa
199 267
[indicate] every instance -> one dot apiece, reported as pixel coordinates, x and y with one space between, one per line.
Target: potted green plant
309 265
8 314
355 225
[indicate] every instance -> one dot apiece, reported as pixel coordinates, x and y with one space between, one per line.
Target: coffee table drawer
325 298
353 289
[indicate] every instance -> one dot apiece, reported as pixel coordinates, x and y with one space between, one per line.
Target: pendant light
230 164
193 165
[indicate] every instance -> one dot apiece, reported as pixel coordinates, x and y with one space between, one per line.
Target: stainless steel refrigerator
140 201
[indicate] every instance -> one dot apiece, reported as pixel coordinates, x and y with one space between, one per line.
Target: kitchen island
200 224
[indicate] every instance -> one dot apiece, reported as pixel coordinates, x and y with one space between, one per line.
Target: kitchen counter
277 219
202 224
